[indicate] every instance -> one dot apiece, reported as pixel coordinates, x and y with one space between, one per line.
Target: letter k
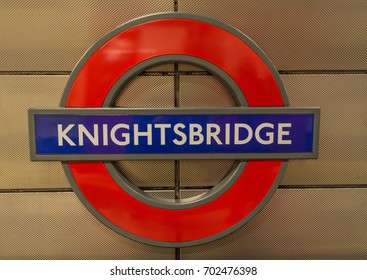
61 135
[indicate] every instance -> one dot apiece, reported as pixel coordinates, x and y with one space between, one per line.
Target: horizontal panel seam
35 190
326 186
188 73
322 72
68 190
34 73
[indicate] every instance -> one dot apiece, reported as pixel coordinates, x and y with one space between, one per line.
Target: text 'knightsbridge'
123 134
114 136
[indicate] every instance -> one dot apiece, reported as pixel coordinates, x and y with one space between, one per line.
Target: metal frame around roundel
174 34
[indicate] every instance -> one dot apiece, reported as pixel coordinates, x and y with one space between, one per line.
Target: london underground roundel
87 133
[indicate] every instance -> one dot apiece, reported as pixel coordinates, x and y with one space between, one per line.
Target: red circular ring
158 38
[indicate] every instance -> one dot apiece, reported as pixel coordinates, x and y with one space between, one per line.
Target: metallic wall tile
147 92
297 35
38 35
143 173
204 91
204 173
53 35
189 67
17 94
58 226
343 129
298 224
162 68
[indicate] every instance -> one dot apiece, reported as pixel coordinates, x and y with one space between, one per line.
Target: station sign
120 134
87 133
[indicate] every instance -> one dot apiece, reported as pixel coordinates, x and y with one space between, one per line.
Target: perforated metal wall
297 35
298 224
343 130
39 35
17 94
52 225
320 47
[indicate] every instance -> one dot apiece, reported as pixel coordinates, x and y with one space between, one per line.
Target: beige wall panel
58 226
298 224
149 173
204 91
297 35
40 35
204 173
147 92
17 94
343 130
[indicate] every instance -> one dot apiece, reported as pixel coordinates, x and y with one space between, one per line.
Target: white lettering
270 135
61 135
179 133
237 140
105 134
92 138
212 131
125 136
163 127
138 134
192 134
228 133
196 136
282 133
